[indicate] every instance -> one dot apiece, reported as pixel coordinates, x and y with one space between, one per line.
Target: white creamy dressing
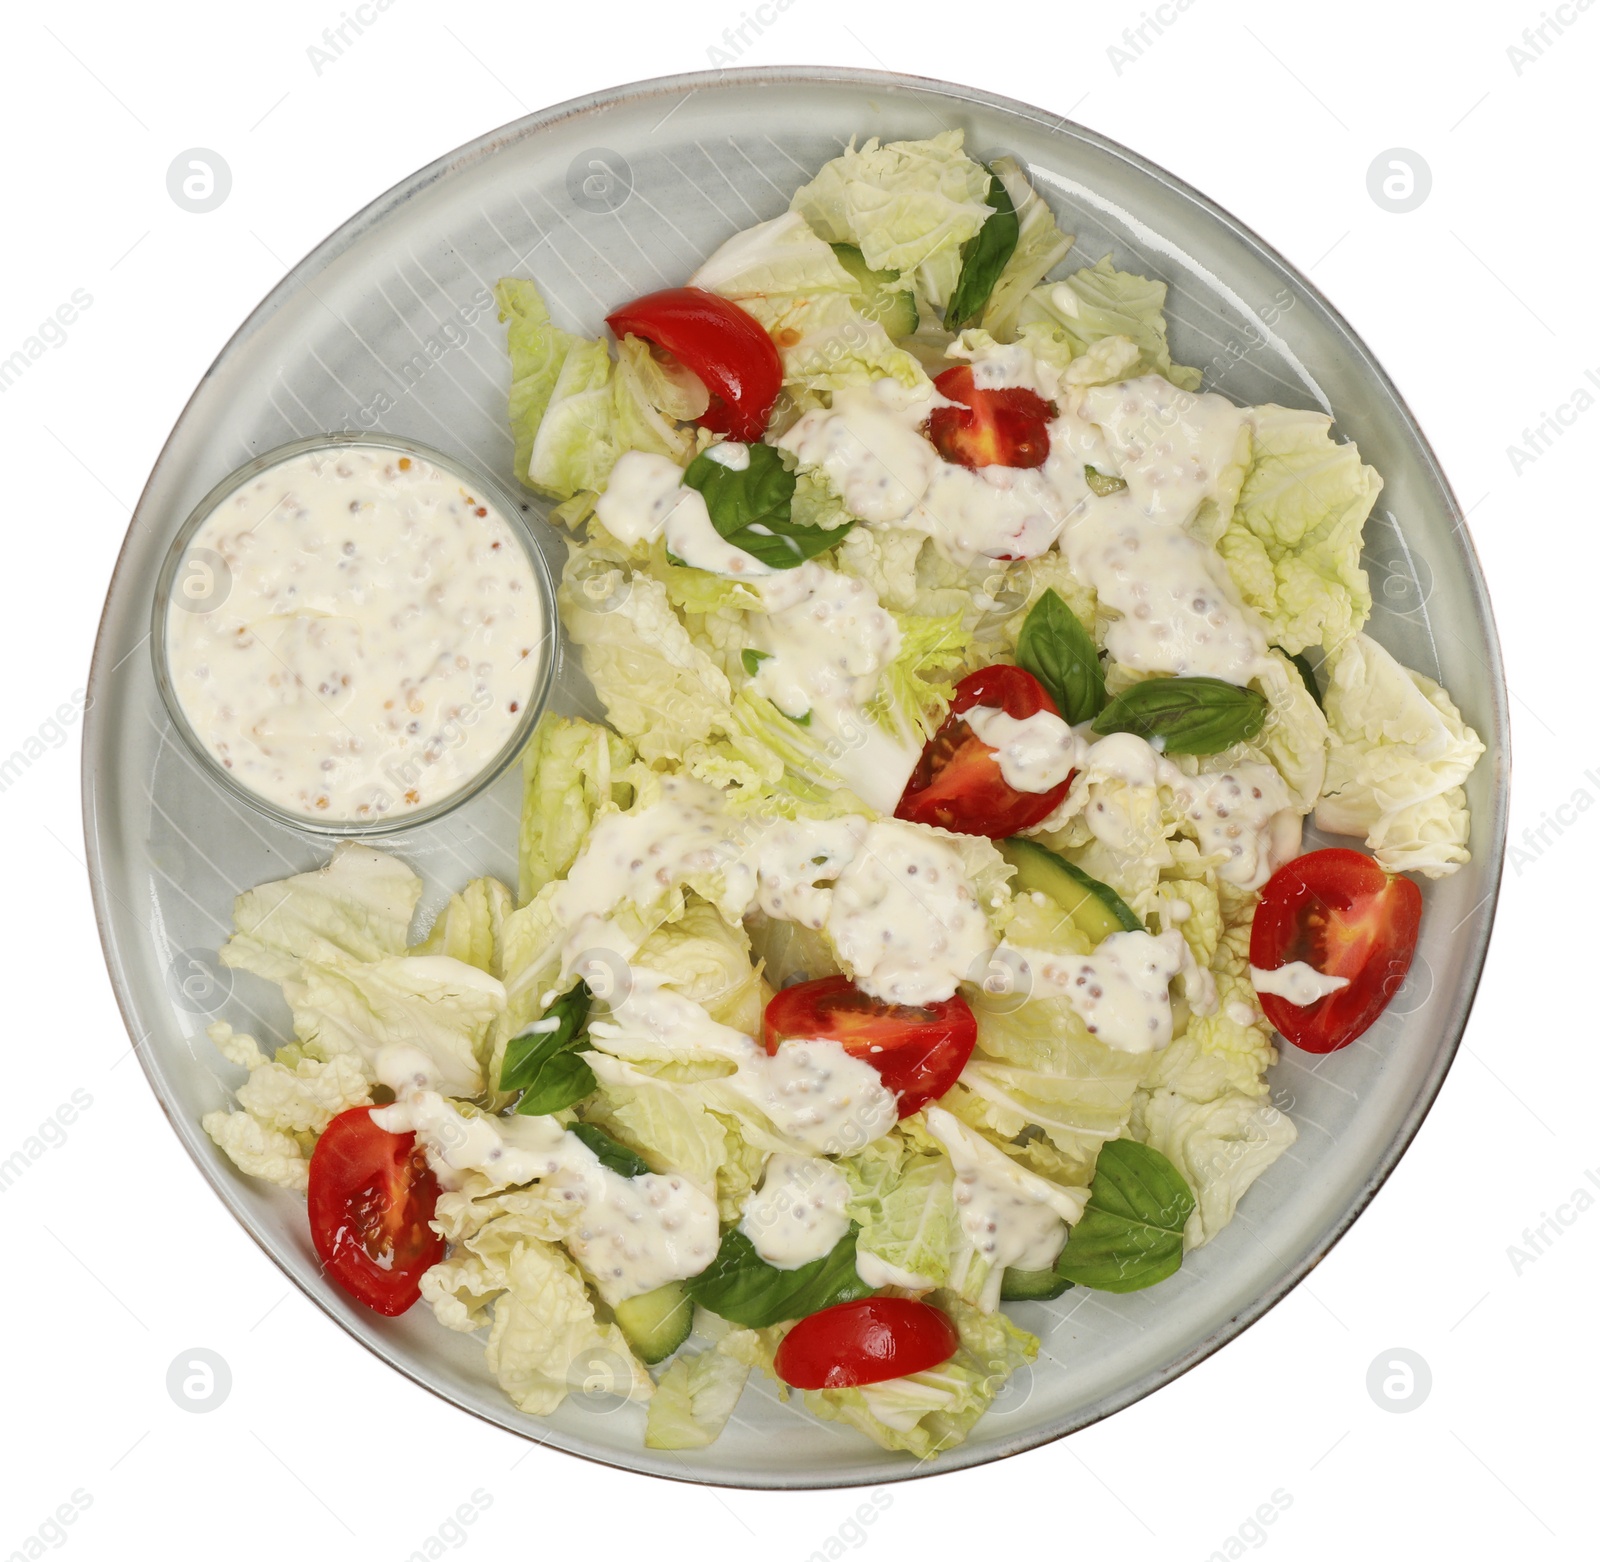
374 641
1013 1218
637 856
826 642
799 859
870 446
1297 983
1176 608
1170 446
878 1272
1242 818
813 1092
904 920
798 1214
630 1234
892 897
646 498
1178 611
1035 753
1120 991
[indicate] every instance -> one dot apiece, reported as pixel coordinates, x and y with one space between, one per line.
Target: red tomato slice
370 1199
991 427
727 347
870 1341
1341 913
957 784
920 1051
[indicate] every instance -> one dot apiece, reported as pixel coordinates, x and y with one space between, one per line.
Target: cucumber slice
893 307
656 1323
1032 1285
1095 909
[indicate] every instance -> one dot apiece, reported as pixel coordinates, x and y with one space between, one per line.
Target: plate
389 325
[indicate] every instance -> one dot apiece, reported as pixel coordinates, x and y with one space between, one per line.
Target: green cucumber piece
1095 909
1032 1285
656 1323
893 307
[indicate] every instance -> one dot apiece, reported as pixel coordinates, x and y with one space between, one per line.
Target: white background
1481 303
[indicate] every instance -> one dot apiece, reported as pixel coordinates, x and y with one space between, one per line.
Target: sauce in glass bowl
354 632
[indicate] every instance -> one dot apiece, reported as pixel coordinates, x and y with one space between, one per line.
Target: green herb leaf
1307 673
743 1288
983 257
613 1156
753 659
544 1064
752 508
1131 1234
1186 715
1057 650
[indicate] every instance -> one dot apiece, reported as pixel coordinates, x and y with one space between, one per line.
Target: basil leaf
753 659
561 1080
751 509
742 1287
544 1064
1057 650
1131 1234
613 1156
983 257
1186 715
1307 673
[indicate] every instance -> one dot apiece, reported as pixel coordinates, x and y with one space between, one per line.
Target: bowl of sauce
355 632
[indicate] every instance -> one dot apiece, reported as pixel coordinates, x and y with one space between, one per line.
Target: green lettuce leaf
908 206
1400 755
696 1395
904 1204
441 1006
659 689
792 282
1098 302
537 350
571 772
1218 1147
545 1341
1293 545
929 1412
469 927
360 902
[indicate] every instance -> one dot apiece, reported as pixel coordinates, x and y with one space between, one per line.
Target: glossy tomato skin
1003 427
369 1199
1339 912
727 347
869 1341
957 783
920 1052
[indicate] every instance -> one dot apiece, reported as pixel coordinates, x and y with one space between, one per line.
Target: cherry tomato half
725 345
919 1051
1006 427
870 1341
1341 913
370 1199
957 784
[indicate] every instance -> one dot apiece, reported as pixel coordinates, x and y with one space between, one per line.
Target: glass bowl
167 597
603 199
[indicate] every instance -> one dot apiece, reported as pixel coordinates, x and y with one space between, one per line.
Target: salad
909 938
